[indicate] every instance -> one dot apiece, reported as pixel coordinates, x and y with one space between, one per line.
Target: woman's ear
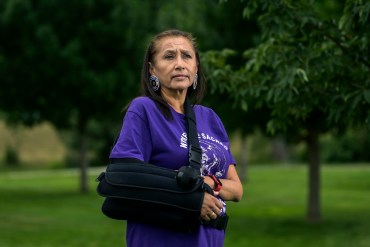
151 68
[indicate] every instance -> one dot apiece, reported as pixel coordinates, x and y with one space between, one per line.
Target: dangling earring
154 82
195 81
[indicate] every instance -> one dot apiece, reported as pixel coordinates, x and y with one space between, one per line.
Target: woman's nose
179 63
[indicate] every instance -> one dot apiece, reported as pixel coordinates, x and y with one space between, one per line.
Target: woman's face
174 64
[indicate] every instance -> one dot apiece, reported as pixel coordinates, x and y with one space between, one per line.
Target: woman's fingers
211 207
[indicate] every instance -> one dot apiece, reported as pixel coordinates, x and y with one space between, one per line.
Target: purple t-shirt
147 135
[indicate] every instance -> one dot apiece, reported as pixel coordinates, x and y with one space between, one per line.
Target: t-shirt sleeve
134 139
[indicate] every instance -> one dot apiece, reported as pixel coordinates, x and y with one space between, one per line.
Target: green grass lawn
44 208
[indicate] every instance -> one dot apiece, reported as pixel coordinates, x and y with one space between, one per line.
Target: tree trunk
314 211
243 166
279 149
84 162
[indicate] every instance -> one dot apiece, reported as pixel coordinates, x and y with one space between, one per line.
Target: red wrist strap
218 184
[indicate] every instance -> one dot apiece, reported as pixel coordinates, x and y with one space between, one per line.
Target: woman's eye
187 56
169 56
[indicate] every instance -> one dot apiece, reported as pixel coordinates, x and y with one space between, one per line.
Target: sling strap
195 160
195 152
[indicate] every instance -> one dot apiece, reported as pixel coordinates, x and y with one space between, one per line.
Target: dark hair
146 88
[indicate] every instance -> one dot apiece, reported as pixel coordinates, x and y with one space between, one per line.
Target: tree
69 63
310 70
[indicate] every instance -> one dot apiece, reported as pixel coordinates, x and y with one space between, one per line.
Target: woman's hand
232 190
211 207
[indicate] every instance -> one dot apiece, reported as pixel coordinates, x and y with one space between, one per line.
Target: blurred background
289 79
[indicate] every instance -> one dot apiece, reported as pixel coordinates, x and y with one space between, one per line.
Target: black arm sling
135 190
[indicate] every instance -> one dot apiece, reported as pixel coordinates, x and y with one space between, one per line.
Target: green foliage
73 57
350 146
300 70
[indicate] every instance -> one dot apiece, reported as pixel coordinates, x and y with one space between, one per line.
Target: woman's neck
175 101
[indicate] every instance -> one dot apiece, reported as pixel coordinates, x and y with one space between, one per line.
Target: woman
154 131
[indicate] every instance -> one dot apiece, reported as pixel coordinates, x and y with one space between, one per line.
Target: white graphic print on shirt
213 154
